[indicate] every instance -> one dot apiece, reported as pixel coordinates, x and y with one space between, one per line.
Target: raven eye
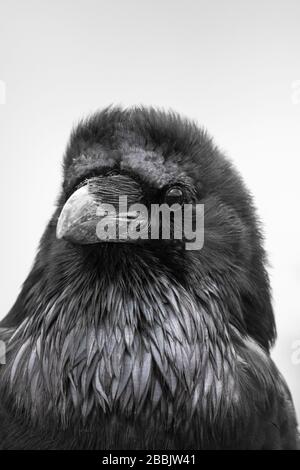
112 173
174 196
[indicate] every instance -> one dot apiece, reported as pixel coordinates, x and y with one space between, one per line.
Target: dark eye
112 173
174 196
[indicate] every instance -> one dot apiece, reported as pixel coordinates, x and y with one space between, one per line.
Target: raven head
154 158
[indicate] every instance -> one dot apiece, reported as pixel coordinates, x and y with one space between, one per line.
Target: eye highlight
113 172
174 195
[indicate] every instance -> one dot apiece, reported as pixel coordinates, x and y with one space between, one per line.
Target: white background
231 65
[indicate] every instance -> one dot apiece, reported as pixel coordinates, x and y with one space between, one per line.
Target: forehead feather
151 166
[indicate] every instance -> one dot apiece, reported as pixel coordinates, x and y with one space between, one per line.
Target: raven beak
77 220
81 214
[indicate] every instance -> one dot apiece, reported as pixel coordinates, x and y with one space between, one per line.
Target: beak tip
60 228
59 233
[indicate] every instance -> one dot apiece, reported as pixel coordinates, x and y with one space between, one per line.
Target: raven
141 343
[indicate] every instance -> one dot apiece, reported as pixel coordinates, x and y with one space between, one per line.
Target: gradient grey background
234 66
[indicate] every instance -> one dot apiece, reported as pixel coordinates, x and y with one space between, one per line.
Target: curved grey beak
78 218
86 208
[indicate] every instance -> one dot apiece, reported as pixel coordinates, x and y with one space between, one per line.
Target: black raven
144 344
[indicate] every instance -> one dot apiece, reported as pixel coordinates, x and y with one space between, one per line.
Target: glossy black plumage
147 345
